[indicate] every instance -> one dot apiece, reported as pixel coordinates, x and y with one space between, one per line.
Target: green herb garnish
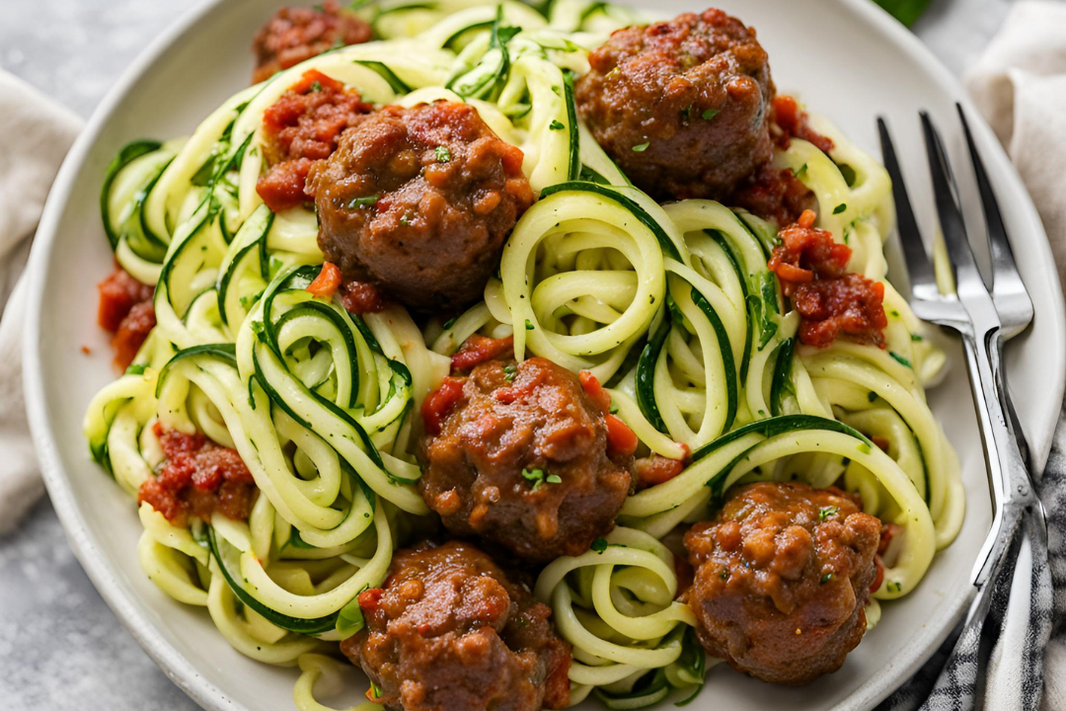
641 147
556 125
363 202
537 477
599 545
871 396
901 360
136 369
840 208
443 154
316 87
529 325
827 512
509 371
709 114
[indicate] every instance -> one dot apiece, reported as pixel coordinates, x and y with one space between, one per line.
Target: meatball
419 201
681 106
521 459
783 575
450 632
298 33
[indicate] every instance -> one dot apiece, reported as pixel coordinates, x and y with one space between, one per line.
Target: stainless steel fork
984 315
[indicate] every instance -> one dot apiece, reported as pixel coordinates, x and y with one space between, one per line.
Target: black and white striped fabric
999 665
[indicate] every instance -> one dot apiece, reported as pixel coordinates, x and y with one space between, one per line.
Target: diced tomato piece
792 122
658 469
594 390
327 282
370 599
880 576
479 349
620 439
362 297
439 403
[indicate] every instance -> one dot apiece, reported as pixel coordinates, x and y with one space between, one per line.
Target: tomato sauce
362 297
126 311
440 403
197 478
791 122
478 349
295 34
811 269
301 127
773 194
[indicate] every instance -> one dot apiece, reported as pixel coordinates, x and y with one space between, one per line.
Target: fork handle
1008 478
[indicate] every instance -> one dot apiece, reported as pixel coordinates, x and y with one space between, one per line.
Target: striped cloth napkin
1020 87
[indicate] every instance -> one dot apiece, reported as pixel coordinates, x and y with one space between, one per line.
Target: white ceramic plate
845 58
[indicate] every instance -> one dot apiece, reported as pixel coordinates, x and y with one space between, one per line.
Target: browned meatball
419 201
681 106
521 459
783 574
449 632
298 33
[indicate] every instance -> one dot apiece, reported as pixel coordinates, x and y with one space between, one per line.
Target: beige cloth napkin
1020 87
35 134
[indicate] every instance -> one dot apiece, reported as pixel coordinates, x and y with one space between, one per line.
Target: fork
984 314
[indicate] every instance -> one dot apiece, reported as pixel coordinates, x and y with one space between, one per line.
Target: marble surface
60 645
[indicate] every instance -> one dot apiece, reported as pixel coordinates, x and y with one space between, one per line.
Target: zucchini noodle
672 307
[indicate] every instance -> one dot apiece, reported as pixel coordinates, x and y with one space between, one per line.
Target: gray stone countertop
60 646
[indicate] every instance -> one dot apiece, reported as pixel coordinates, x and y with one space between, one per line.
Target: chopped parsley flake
901 360
599 545
404 220
316 87
840 208
375 691
827 512
537 477
450 322
709 114
556 125
916 338
801 171
826 577
509 371
136 369
443 154
641 147
894 313
894 587
529 325
363 202
871 396
614 408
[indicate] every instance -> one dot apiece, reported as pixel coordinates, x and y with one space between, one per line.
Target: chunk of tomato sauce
791 122
774 194
301 127
295 34
812 270
621 440
197 478
126 310
658 469
440 403
480 349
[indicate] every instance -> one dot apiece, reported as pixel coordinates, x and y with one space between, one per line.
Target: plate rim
86 546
